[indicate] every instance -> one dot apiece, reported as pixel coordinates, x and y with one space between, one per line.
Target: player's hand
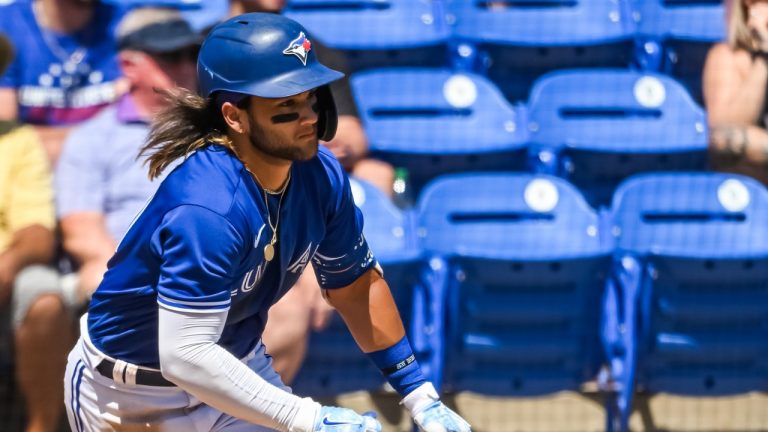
431 415
335 419
439 418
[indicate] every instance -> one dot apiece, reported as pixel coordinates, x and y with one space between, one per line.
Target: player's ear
236 118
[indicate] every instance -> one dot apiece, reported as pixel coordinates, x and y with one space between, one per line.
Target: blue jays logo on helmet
300 47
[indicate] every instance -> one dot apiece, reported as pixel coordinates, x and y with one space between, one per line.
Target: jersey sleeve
199 250
343 255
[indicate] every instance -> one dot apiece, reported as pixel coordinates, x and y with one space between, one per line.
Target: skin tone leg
42 342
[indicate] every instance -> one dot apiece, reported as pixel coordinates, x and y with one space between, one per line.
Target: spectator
65 70
26 246
100 186
735 86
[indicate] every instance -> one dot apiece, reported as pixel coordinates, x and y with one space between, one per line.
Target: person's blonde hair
739 34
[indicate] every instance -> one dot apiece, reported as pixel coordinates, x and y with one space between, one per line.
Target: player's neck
66 16
270 172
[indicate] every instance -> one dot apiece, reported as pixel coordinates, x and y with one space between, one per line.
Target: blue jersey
198 246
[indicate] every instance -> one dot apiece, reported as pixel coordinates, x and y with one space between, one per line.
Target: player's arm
198 248
351 279
369 310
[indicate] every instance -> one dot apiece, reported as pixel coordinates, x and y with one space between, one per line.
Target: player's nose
309 112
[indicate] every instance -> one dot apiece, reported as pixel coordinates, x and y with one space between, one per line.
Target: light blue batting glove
335 419
431 415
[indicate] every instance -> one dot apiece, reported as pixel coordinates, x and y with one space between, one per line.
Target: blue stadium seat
177 4
518 41
692 253
377 33
334 363
525 269
433 121
207 14
596 127
675 36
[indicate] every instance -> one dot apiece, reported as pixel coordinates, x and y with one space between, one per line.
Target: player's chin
307 151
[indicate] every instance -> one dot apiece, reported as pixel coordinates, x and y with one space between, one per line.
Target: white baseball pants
96 403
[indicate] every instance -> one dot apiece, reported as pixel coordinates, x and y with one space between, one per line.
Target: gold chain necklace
269 248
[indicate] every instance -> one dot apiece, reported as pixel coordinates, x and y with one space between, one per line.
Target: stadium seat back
700 245
603 125
517 41
525 274
675 36
377 33
434 121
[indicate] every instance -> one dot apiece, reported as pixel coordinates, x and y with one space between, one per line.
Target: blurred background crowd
563 193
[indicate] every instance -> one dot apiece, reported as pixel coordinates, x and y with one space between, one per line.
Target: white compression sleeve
191 358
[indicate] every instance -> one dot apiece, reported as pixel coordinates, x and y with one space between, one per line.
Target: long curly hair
189 123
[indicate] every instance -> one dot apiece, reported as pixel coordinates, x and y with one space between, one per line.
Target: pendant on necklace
269 252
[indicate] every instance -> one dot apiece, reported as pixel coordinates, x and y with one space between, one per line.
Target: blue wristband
399 366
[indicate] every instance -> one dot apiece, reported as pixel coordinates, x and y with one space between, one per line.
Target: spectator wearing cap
100 187
26 247
65 69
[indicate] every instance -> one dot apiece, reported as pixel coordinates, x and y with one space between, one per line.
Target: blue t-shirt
61 79
199 246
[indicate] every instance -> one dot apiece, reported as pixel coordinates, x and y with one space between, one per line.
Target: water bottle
401 189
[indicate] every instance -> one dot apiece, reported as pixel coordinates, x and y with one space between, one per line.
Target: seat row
511 284
514 42
594 127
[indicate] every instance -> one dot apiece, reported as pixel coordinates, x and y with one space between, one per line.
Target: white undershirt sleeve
191 358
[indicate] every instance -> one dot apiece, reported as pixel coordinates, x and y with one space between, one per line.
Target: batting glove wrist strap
306 416
431 415
418 399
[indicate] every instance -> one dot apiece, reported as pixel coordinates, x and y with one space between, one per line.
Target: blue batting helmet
269 56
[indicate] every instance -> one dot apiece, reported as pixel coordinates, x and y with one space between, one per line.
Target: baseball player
171 341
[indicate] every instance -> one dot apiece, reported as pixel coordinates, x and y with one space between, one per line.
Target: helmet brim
288 84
